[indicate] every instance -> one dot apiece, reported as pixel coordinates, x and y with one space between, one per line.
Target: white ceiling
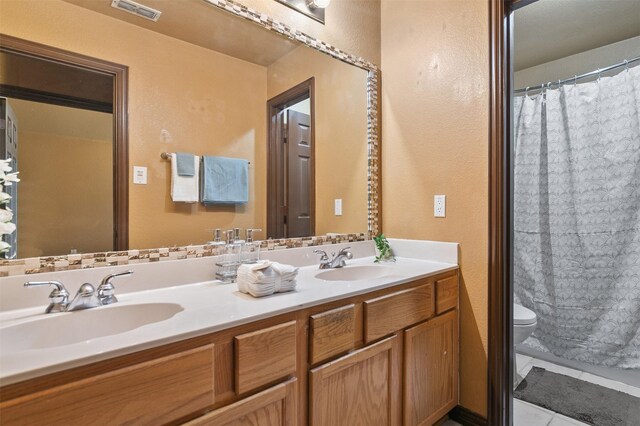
547 30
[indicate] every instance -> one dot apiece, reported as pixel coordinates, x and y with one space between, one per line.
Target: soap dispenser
251 248
217 238
230 260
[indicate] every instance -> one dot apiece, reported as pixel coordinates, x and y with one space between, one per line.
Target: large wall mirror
200 80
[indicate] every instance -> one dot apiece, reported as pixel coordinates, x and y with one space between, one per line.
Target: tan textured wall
56 215
341 133
209 103
435 141
351 25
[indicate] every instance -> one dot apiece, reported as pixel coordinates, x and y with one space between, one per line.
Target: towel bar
167 156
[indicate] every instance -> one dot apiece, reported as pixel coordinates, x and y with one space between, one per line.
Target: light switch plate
439 204
139 175
338 206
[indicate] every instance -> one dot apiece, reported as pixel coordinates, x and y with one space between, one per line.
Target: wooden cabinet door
361 388
431 369
275 406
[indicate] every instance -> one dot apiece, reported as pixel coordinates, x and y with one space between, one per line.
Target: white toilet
524 322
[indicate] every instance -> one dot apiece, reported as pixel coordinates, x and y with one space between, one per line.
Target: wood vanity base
387 357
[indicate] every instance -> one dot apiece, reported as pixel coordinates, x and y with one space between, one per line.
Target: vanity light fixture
137 9
314 9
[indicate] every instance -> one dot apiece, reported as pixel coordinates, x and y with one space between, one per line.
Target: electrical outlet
338 206
439 204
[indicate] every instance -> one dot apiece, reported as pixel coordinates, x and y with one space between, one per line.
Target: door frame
275 196
500 329
120 74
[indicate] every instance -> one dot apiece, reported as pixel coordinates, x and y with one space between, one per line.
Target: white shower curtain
577 218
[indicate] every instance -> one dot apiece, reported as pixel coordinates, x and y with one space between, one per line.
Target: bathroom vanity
370 344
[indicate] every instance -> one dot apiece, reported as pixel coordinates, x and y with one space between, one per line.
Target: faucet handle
345 252
59 297
106 290
322 253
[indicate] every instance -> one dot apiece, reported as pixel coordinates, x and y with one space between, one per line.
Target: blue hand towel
186 164
225 180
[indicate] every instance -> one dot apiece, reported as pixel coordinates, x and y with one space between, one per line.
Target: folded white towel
265 278
283 269
185 189
267 272
261 290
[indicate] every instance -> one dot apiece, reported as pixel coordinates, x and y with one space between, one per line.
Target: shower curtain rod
577 77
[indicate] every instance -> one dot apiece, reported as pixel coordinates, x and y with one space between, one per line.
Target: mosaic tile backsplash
36 265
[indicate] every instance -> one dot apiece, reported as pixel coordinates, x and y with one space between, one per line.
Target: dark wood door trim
120 74
500 339
274 105
54 99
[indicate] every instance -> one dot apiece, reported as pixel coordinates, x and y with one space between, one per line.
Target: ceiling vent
136 9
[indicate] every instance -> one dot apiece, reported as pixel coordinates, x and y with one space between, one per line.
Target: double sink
55 330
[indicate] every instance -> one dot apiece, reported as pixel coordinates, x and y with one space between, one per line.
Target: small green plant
384 249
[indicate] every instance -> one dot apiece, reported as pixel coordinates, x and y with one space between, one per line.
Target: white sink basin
53 330
354 273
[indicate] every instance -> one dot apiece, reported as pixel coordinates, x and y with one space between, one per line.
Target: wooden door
431 369
361 388
275 406
299 175
290 163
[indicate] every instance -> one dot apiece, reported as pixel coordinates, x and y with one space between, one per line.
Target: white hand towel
185 189
284 286
256 273
265 278
284 270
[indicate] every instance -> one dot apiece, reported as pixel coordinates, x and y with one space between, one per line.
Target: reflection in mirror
57 204
200 82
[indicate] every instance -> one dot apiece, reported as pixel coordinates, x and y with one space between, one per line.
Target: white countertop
207 307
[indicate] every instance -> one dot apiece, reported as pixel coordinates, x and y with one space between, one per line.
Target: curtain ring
599 74
626 65
526 91
575 80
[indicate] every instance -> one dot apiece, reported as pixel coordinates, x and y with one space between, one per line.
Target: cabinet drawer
275 406
387 314
446 294
332 333
154 392
264 356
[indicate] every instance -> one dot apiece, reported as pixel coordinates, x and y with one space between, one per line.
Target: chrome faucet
87 296
58 299
106 290
338 261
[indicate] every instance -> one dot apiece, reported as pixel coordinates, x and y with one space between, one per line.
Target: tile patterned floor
526 414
